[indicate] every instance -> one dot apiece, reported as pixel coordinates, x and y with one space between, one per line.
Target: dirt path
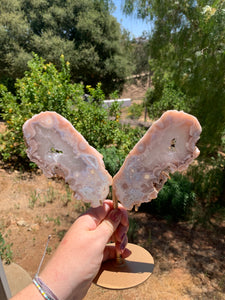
136 88
187 266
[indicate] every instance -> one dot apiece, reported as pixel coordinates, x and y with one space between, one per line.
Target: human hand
80 254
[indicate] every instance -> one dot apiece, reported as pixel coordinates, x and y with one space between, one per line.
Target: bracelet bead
40 290
44 289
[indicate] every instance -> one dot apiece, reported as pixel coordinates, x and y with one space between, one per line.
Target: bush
166 97
115 110
130 138
209 186
44 88
133 230
135 111
114 156
175 200
113 159
96 94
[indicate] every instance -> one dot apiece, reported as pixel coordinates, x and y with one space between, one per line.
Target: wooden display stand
131 272
126 273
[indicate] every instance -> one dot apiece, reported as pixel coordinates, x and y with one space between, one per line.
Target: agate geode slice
59 149
168 146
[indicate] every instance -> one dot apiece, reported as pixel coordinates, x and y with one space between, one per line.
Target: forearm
30 292
78 258
66 281
58 286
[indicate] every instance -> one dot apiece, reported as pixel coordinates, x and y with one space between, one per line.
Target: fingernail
122 236
122 246
115 215
123 243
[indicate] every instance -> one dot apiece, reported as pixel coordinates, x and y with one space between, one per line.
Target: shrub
114 95
166 97
133 230
114 155
115 110
113 159
209 185
175 200
135 111
96 94
44 88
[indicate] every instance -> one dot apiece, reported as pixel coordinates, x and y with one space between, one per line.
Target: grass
5 250
51 195
33 199
55 220
67 198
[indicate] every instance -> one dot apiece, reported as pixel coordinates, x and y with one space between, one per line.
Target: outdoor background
70 56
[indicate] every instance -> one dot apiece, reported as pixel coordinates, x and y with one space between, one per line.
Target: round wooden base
133 271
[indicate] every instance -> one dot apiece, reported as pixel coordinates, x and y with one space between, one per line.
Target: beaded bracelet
44 289
41 286
41 291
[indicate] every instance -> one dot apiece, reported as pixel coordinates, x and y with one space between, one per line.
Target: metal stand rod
119 259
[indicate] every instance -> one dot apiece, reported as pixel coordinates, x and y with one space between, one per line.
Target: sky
131 23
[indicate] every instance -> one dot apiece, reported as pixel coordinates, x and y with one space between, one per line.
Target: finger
120 246
108 226
120 232
124 219
94 216
110 253
122 228
100 212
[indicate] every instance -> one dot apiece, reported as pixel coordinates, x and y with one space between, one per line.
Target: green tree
84 31
14 40
188 44
141 54
187 48
42 88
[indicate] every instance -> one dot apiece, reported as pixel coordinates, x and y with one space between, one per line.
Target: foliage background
44 88
187 57
187 47
185 52
84 31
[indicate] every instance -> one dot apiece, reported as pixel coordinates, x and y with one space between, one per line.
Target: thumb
108 226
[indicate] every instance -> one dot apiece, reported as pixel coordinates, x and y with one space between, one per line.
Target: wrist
43 289
64 287
29 292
